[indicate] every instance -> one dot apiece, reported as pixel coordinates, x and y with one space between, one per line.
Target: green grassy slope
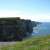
34 43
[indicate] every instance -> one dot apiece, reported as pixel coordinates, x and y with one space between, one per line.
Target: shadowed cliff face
15 29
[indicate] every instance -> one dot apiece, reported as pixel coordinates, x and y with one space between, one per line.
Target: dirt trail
6 43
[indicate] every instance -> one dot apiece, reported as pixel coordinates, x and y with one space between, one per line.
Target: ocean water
42 29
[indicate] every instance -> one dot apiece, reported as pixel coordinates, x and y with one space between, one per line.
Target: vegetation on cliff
33 43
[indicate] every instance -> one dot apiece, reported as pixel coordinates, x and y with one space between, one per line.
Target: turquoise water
42 29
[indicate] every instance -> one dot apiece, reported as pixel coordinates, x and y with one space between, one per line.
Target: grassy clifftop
33 43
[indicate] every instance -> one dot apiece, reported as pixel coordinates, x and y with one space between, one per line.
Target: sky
36 10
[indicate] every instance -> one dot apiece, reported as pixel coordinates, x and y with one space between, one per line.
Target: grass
33 43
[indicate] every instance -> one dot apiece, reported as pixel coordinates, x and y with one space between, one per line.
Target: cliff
15 29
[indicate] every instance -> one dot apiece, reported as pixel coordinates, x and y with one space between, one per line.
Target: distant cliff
12 29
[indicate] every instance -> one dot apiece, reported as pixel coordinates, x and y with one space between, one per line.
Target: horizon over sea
42 29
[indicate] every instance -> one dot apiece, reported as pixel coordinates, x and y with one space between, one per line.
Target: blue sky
37 10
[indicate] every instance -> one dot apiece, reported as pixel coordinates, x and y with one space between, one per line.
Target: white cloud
26 15
9 13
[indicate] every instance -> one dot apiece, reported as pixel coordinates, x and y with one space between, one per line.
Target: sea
42 29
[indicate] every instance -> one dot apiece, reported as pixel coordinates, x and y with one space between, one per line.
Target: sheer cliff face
15 28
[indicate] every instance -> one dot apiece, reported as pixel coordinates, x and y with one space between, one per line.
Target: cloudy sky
36 10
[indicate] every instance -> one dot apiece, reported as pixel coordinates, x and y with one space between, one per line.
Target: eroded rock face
14 29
